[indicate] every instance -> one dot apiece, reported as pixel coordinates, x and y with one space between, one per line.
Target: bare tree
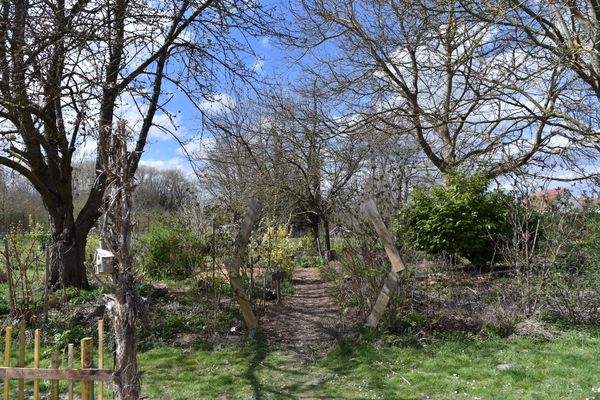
292 147
428 69
166 190
562 35
125 305
66 69
565 31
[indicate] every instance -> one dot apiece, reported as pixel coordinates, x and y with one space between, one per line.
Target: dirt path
310 317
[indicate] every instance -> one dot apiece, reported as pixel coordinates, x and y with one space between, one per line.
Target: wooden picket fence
85 373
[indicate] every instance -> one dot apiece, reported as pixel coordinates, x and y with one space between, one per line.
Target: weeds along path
310 317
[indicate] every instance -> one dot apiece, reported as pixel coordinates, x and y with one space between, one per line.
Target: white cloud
218 103
172 163
258 65
198 148
265 41
86 149
166 126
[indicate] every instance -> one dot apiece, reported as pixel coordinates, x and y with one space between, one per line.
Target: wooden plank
22 358
8 341
86 362
385 294
54 382
71 365
234 265
391 282
36 363
90 374
389 244
101 356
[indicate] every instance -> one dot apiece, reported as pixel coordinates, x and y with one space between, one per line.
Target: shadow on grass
283 383
259 348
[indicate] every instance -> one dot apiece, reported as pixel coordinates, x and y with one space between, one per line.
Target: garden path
310 317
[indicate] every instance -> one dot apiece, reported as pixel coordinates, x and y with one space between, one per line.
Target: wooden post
9 278
86 362
101 356
214 257
36 364
235 263
46 277
278 289
7 343
71 364
54 364
391 282
22 358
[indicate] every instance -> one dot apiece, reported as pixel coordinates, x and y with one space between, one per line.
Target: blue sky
164 151
269 62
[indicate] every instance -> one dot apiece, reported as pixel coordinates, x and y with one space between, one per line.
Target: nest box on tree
104 262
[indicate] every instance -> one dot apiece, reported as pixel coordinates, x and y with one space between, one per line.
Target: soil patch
309 318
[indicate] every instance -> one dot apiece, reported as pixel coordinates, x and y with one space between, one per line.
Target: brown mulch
308 318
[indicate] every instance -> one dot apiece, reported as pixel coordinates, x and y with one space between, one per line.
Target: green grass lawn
453 368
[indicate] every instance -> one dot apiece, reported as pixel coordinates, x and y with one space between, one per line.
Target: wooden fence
85 373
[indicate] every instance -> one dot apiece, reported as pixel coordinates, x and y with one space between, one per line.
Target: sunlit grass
451 368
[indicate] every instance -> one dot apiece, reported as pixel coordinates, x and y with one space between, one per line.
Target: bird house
104 262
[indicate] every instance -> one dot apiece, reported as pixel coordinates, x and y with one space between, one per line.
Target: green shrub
461 218
170 249
305 253
571 249
276 248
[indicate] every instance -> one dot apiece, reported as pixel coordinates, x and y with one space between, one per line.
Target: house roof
549 195
545 198
588 201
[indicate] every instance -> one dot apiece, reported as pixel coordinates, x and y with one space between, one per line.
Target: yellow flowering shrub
276 248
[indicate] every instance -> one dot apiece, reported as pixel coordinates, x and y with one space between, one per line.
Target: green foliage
62 339
23 258
92 243
571 271
358 273
82 296
25 242
276 248
174 324
460 218
305 254
582 249
170 249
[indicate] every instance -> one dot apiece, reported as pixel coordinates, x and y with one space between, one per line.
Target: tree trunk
314 226
125 307
329 253
123 314
66 250
327 232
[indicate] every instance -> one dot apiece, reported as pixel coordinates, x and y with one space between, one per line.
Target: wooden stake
391 282
9 278
36 364
235 263
101 356
22 358
86 362
7 344
54 364
71 365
